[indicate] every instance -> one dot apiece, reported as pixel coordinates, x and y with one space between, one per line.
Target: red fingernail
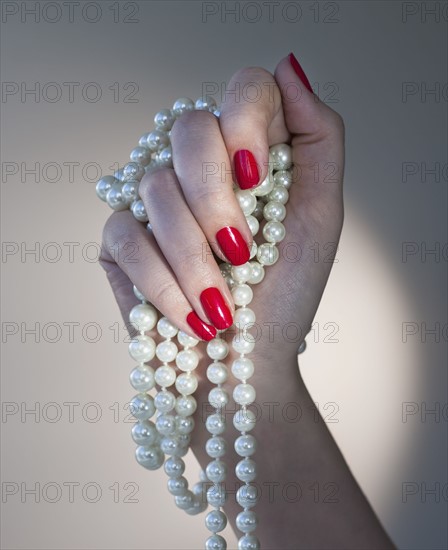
246 169
299 71
216 308
233 245
201 329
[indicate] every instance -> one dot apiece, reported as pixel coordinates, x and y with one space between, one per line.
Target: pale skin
186 210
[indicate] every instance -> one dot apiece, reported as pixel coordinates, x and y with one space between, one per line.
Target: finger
203 169
251 120
128 245
185 247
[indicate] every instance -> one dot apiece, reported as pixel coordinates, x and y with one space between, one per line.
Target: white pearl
145 433
279 194
166 351
229 281
187 360
248 542
216 495
267 254
103 186
143 140
166 328
241 273
177 486
217 349
206 103
242 368
283 177
245 445
133 171
186 405
184 501
142 378
274 211
246 521
257 273
216 447
215 542
216 424
216 471
247 496
186 384
264 187
244 420
149 457
246 470
130 191
274 232
246 200
217 373
184 424
165 157
244 318
243 342
115 199
253 223
139 211
164 401
170 445
218 398
142 155
243 394
182 105
242 294
253 250
142 406
281 156
165 376
174 466
143 317
186 340
142 348
197 508
139 295
157 140
166 424
215 521
164 119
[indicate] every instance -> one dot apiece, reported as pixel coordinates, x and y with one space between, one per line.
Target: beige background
365 57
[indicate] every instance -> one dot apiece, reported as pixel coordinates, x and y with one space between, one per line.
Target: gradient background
374 62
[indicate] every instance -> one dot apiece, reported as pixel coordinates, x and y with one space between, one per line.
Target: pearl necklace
169 435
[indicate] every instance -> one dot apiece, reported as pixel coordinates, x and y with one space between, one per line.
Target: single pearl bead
244 420
133 171
216 495
166 351
253 250
283 177
182 105
206 103
174 466
248 542
157 140
177 486
184 424
197 508
217 373
244 318
264 187
184 501
243 342
215 542
247 521
186 405
218 398
103 186
165 376
246 470
274 211
142 378
215 521
142 155
143 140
186 384
241 273
281 155
245 445
130 191
247 496
216 424
242 294
170 445
139 296
217 349
257 273
164 120
142 406
142 348
143 317
229 281
242 368
186 340
187 360
166 328
243 394
139 211
279 194
165 157
216 471
164 401
149 457
144 433
115 199
267 254
166 424
216 447
253 223
246 200
274 232
258 212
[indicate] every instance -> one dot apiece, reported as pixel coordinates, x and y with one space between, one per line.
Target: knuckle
157 183
192 121
163 295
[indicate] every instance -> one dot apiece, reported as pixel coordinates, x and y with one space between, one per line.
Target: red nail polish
233 245
216 308
201 329
246 169
299 71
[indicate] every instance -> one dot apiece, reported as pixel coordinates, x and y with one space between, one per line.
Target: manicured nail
246 169
299 71
201 329
233 245
215 308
